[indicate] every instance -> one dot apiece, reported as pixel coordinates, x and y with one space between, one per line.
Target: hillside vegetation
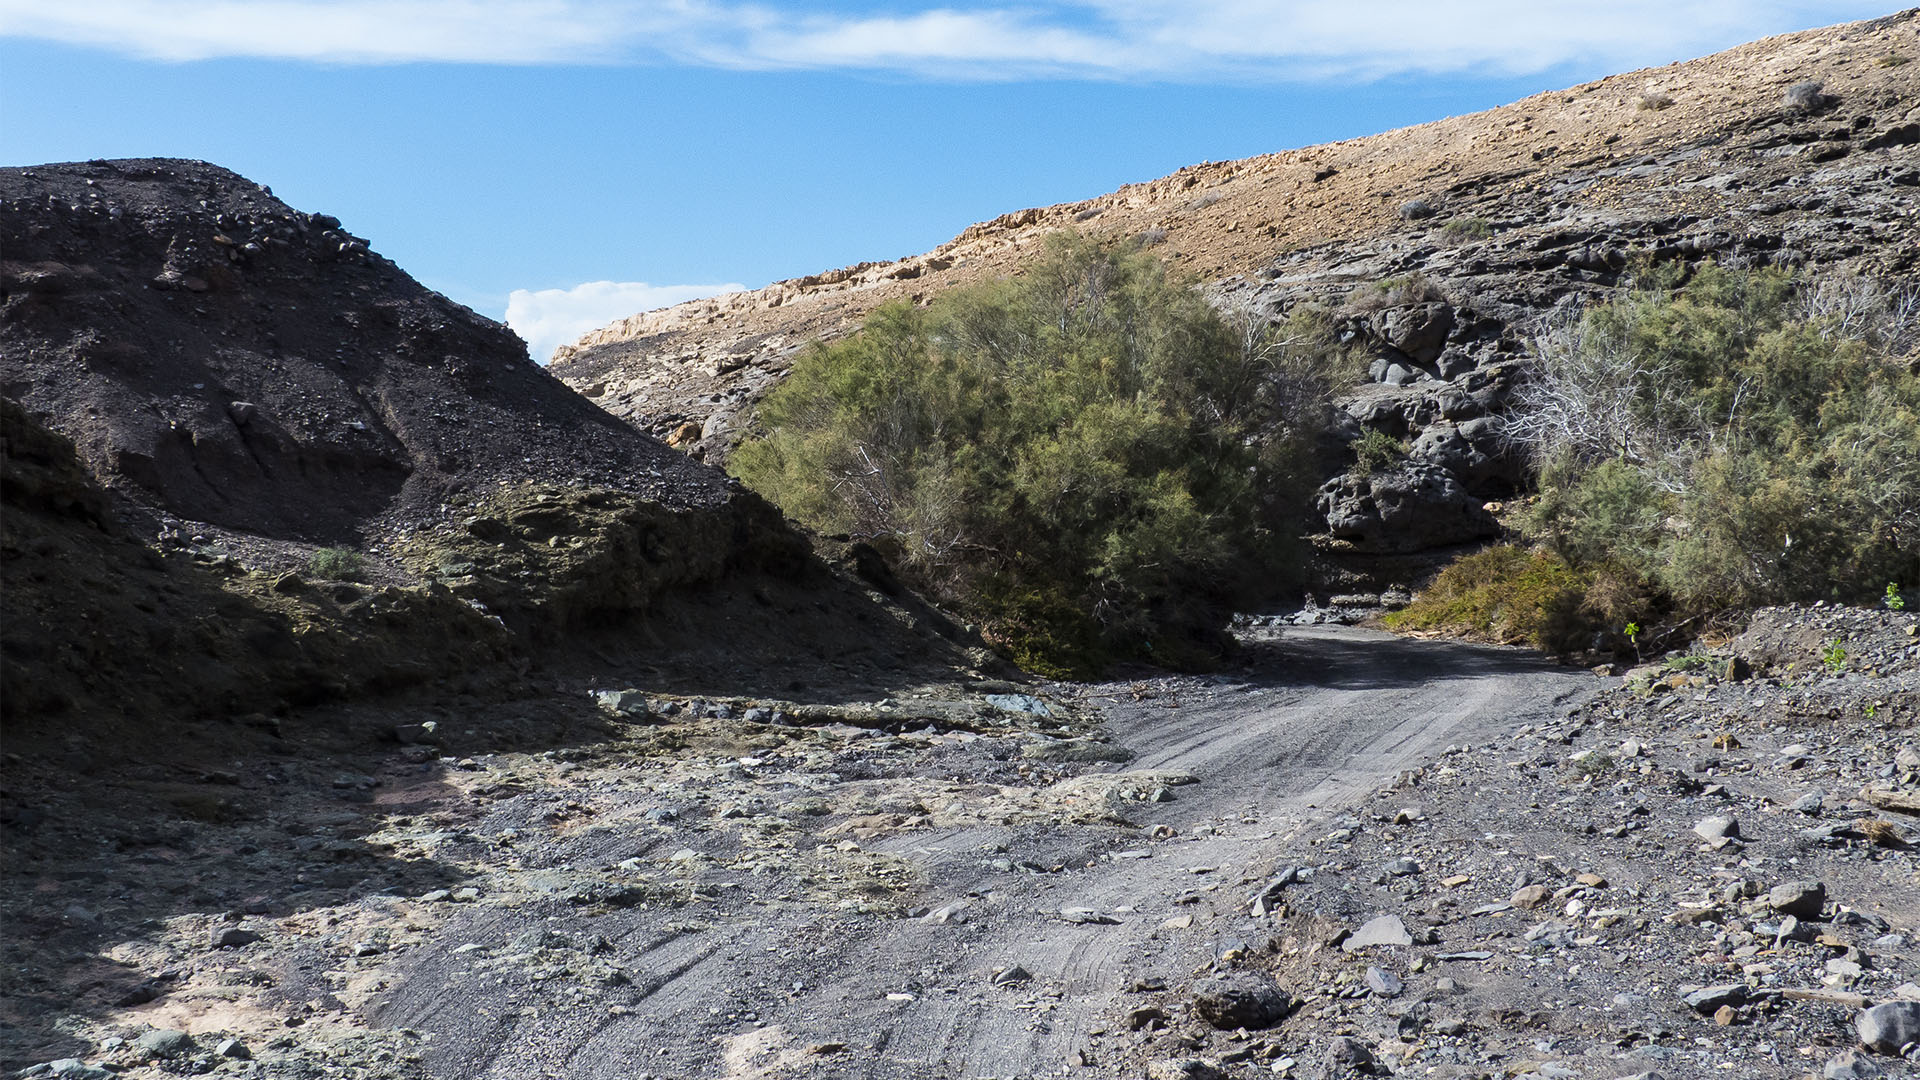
1707 441
1088 458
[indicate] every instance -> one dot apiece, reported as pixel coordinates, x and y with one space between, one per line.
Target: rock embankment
1708 870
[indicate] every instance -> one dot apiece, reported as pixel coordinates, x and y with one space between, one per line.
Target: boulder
1890 1027
1240 999
1801 899
1416 507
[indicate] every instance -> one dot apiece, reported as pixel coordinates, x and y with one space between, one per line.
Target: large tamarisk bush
1088 459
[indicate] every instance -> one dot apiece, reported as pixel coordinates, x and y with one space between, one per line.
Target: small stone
1890 1027
164 1043
1185 1069
1090 916
1709 1000
1852 1065
1014 974
1403 867
955 912
631 704
1346 1055
1802 899
1382 930
1719 831
233 1048
1533 896
1384 983
232 937
1725 1015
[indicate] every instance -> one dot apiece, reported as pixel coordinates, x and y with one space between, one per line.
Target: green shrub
1088 459
1376 451
1463 229
1506 594
1733 438
337 564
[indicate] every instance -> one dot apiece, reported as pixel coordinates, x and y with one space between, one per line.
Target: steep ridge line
689 372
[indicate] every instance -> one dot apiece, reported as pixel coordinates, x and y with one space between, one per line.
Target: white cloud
1180 40
550 318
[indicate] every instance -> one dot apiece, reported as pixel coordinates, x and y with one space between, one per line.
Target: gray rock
71 1069
1404 866
164 1043
1240 999
233 1048
1019 703
1269 895
1384 983
1890 1027
1418 330
1852 1065
1014 974
1087 915
1347 1056
232 937
1417 506
1805 96
1382 930
1719 831
1811 803
1421 209
1710 999
1801 899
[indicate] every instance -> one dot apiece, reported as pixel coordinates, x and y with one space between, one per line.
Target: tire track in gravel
1325 717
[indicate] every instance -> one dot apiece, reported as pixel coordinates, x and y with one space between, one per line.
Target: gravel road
749 986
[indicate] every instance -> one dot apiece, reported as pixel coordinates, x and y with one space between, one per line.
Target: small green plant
1872 708
1376 451
1462 229
1894 60
1687 663
337 564
1593 764
1835 656
1895 602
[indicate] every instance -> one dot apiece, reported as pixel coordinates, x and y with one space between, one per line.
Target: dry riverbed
1354 853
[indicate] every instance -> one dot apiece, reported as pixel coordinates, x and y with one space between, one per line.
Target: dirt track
748 982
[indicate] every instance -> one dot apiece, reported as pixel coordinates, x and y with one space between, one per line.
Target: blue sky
604 157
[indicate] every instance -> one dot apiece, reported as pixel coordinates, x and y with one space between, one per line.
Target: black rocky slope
222 358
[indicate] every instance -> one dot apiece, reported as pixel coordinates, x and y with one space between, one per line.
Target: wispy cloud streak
1175 40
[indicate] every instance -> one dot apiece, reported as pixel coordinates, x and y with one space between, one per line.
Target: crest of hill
1661 149
222 359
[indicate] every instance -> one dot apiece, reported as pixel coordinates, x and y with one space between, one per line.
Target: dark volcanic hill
220 357
250 383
